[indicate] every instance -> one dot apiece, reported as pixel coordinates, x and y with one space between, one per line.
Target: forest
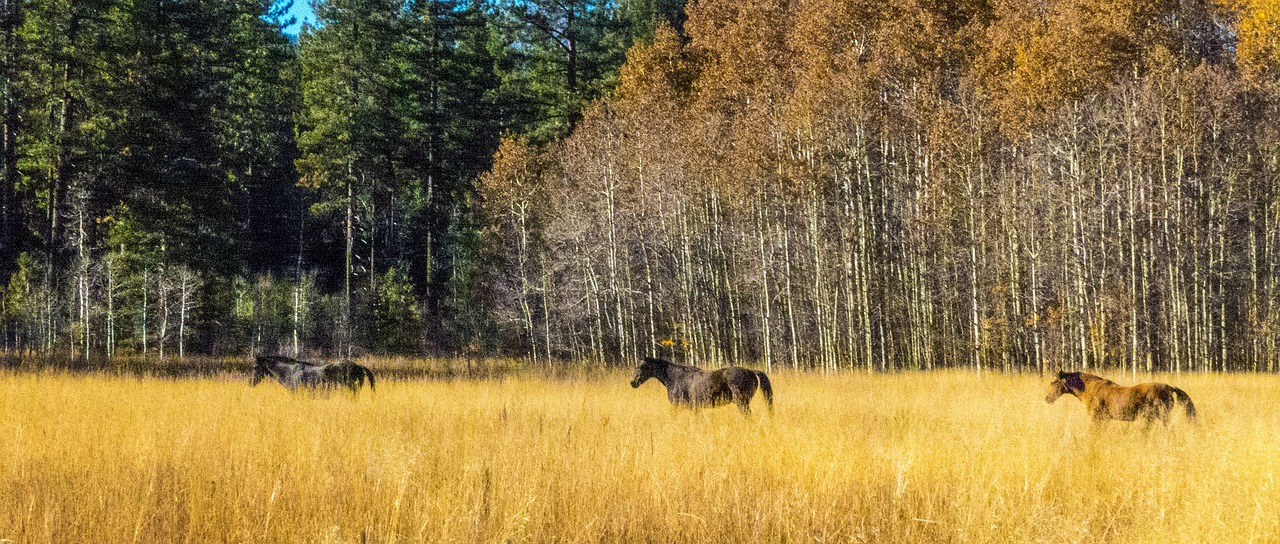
828 184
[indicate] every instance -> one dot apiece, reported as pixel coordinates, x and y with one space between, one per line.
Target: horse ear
1061 374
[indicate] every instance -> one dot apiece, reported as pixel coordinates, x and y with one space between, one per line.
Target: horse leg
1098 420
742 397
1147 421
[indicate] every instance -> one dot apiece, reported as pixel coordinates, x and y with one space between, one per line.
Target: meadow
850 457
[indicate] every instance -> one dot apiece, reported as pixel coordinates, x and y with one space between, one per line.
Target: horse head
649 368
1066 382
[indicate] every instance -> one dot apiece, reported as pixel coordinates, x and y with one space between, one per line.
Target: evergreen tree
564 53
350 135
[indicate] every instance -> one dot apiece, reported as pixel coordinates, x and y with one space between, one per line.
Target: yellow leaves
658 69
745 45
517 168
1053 316
1040 57
1257 30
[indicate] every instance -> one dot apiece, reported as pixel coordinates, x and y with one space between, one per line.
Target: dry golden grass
908 458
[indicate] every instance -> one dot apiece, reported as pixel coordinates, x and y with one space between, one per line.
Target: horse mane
1085 376
669 364
1078 380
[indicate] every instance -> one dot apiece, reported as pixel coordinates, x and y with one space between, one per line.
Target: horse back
738 381
719 386
1145 400
1151 392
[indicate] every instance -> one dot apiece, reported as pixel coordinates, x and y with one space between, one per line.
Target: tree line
849 184
874 185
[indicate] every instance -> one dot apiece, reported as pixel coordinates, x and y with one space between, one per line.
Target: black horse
293 373
695 388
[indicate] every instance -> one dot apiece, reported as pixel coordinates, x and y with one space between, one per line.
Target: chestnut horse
1106 399
695 388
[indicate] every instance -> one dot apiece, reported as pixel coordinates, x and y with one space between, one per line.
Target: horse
1105 399
293 373
695 388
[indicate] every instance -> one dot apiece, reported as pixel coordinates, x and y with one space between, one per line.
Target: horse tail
765 388
1185 400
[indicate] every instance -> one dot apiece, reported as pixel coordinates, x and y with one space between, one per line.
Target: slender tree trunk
793 333
110 269
347 270
819 312
686 277
520 212
1254 302
1133 274
82 271
975 340
614 289
184 287
546 307
597 311
650 303
297 285
163 291
146 288
766 300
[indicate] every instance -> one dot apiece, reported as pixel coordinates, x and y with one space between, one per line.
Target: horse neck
673 373
1090 385
1087 379
282 370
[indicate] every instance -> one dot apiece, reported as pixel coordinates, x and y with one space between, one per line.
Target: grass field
844 458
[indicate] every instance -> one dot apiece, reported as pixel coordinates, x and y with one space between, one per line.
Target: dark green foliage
186 165
559 55
397 315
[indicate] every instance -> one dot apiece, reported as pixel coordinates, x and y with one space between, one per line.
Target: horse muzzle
635 384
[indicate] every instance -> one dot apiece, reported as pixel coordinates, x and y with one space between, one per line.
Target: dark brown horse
293 373
695 388
1107 400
